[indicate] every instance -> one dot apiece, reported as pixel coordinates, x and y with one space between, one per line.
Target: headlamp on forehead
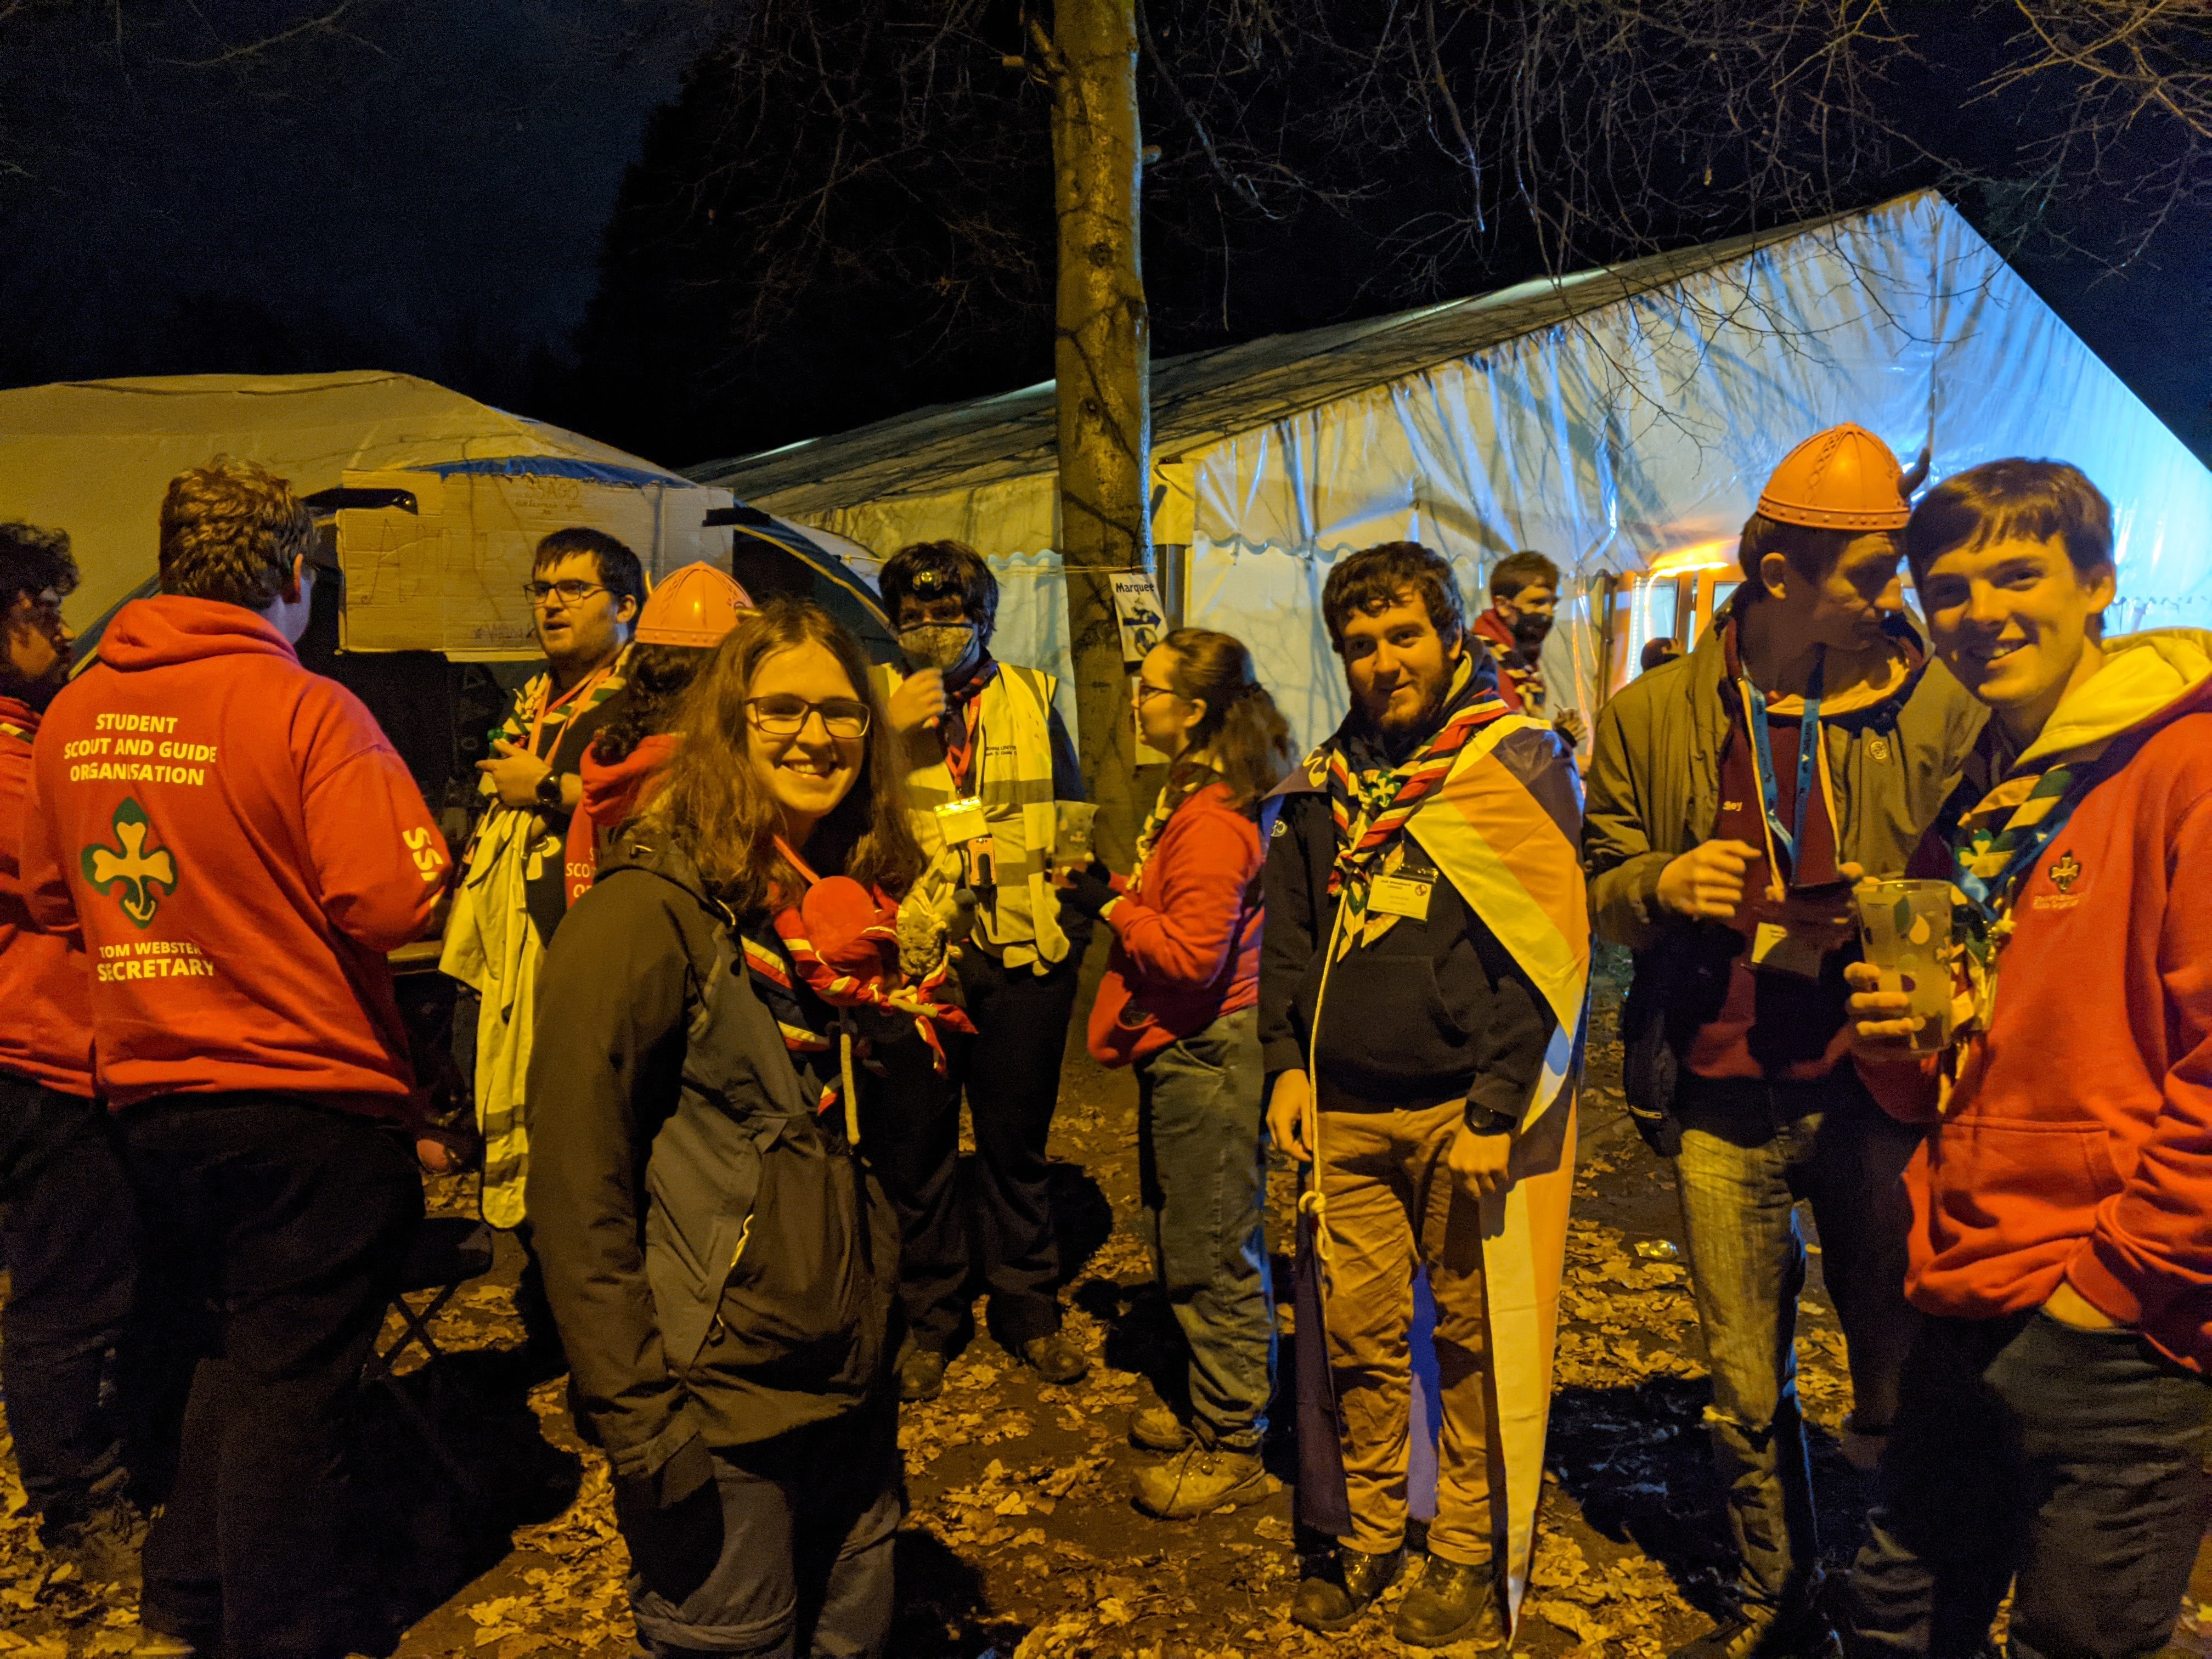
929 583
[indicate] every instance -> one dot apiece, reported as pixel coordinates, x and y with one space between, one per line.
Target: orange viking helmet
1844 478
696 605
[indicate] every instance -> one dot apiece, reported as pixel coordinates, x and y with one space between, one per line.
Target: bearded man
1422 988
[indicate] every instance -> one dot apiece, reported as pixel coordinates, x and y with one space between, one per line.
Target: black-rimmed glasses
785 715
572 591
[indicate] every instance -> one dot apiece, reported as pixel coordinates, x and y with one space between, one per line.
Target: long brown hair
713 808
1242 728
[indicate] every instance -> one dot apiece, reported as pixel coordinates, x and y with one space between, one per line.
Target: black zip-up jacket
1433 1009
720 1264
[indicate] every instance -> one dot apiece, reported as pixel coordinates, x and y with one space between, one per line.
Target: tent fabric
94 458
1607 418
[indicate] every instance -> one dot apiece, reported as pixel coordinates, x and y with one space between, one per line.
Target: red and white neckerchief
843 942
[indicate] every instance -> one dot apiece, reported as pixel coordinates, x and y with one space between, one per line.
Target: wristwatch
549 792
1488 1120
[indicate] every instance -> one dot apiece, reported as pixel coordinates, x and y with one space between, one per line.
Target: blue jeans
2069 1464
1750 1151
1202 1165
785 1555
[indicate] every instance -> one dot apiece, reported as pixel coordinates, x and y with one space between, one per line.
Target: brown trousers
1392 1207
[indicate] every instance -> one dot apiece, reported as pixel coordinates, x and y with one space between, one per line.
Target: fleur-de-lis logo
2065 872
138 876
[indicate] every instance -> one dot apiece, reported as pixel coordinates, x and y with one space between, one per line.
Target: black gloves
1088 889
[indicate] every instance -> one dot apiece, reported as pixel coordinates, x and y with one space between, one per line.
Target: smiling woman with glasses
720 1259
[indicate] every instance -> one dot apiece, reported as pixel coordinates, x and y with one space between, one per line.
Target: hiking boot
1200 1480
1757 1632
1054 1358
103 1542
921 1373
1157 1428
1453 1602
1341 1593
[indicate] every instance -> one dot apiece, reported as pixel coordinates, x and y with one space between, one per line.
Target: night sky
421 186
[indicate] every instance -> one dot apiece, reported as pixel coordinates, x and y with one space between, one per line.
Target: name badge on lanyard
1403 891
962 821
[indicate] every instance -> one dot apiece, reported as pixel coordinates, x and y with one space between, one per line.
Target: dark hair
1371 581
230 531
714 810
1812 552
31 560
655 680
1523 569
926 570
1250 743
620 572
2033 500
1663 649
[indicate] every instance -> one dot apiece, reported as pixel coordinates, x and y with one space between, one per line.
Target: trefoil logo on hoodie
138 876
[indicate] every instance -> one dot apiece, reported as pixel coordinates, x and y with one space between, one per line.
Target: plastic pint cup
1906 928
1072 833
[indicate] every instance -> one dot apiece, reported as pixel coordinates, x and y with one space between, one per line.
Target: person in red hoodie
1181 1001
238 846
69 1233
2054 1418
684 618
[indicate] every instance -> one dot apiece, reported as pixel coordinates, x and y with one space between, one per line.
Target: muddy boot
921 1373
1157 1428
1202 1479
1341 1594
1452 1603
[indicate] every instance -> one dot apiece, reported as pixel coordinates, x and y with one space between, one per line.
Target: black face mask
1530 631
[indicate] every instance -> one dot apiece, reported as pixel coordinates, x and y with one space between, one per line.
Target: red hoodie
1186 933
241 845
47 1034
612 792
2076 1143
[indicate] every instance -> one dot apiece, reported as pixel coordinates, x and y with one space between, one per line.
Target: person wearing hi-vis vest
1805 740
989 758
1423 981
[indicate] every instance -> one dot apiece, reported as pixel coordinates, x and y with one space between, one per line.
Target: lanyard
961 763
1808 754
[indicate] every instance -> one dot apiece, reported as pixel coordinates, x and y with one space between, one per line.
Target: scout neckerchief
857 967
1997 843
1762 758
1185 777
956 725
567 705
1371 800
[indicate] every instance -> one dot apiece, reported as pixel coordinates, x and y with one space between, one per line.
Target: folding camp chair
447 1251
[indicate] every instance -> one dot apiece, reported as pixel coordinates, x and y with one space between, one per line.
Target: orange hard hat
696 605
1844 478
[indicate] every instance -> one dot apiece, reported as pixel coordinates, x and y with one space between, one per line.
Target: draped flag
1504 827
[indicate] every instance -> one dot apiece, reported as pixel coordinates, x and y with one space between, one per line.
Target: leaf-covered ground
1023 1539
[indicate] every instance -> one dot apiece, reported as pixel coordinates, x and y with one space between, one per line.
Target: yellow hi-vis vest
1012 775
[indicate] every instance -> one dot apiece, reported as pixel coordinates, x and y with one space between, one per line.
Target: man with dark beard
1524 598
989 759
1422 987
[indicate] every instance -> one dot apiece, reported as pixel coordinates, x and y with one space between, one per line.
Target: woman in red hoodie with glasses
1180 1001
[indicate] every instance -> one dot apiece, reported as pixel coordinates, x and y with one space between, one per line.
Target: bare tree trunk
1103 363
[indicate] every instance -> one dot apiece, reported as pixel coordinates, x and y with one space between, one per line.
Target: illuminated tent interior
1621 420
434 570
